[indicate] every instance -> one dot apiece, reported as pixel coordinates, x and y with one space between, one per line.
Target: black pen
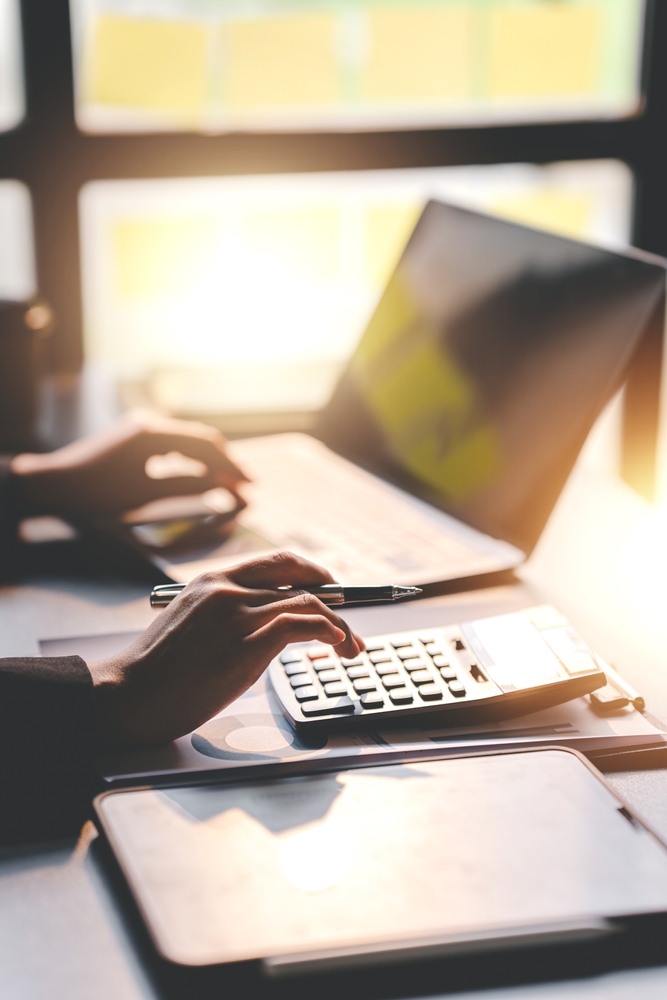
328 593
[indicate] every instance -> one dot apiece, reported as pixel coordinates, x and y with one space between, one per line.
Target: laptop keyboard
360 528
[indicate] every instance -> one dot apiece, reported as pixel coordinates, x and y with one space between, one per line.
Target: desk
66 931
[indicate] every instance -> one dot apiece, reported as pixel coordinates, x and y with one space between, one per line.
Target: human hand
208 646
106 472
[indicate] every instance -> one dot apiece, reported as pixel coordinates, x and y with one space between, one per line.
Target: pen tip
406 591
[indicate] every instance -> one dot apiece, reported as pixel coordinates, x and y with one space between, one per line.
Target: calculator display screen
490 354
514 655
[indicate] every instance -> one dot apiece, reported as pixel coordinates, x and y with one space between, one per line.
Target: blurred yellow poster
289 60
546 49
310 64
148 63
418 52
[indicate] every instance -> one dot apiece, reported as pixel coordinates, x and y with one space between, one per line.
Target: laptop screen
489 356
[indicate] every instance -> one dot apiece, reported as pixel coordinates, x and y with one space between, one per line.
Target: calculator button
337 706
306 693
317 652
430 692
327 676
421 677
393 681
400 643
379 657
325 664
400 696
432 647
356 662
376 647
416 663
372 700
335 688
385 668
290 656
366 684
407 654
300 680
448 673
294 668
457 689
354 673
440 660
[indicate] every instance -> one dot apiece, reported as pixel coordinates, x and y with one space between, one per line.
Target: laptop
456 422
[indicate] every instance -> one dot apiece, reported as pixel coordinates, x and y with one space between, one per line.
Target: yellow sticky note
147 63
418 52
290 61
153 258
388 228
568 213
548 49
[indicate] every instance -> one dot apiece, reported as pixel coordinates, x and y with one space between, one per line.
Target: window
247 294
17 257
12 101
352 64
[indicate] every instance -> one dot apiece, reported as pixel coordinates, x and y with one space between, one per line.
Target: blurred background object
370 64
12 93
220 190
239 299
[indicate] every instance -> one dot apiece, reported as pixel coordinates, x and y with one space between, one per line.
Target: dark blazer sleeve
47 747
8 521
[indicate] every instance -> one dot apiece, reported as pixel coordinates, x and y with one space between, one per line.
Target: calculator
484 670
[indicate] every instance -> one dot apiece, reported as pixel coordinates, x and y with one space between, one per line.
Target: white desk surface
602 560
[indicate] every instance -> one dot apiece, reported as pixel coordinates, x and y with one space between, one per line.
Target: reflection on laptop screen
485 364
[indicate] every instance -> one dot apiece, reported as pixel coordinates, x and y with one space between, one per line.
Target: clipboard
325 872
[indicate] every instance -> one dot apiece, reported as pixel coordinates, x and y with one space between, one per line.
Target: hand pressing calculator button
521 666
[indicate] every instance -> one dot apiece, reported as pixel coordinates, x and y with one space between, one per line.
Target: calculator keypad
402 672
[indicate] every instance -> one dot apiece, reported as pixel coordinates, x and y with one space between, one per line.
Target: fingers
269 640
210 450
177 486
309 606
280 569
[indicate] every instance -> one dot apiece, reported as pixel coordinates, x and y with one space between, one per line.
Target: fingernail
339 633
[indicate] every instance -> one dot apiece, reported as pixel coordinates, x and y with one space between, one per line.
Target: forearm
47 746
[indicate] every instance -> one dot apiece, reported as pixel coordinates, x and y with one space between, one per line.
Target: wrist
29 476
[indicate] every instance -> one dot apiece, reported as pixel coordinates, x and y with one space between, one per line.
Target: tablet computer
384 863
